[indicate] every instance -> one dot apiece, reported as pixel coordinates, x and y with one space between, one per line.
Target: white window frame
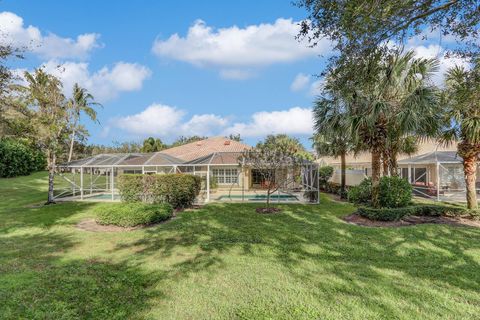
225 176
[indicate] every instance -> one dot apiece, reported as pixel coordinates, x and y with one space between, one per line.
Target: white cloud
204 125
295 121
157 119
50 46
169 122
238 48
316 87
104 84
436 51
300 82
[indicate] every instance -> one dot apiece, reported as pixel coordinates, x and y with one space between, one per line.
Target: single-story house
217 158
435 171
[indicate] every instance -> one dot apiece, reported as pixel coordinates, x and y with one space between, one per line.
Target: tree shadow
355 257
37 283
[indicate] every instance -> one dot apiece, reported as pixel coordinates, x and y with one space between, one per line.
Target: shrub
361 194
386 214
178 190
132 214
18 158
324 174
130 187
432 210
395 192
311 196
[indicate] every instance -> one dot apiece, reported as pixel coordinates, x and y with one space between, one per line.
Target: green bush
178 190
18 158
361 194
324 174
431 210
386 214
132 214
395 192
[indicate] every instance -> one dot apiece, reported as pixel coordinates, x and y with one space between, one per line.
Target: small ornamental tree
273 158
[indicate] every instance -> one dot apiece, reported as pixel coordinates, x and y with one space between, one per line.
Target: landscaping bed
357 219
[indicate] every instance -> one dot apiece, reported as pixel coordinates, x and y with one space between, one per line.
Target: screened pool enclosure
437 175
224 177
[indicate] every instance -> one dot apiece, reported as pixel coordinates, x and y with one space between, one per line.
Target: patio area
437 175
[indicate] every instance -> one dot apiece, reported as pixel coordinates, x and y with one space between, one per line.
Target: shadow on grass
362 260
35 283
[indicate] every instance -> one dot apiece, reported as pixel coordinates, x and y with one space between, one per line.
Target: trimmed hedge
19 159
132 214
178 190
431 210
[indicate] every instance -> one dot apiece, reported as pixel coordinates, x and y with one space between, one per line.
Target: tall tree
332 128
358 27
153 145
462 95
50 118
80 102
397 100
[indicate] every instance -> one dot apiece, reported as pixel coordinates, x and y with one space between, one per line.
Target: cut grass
227 261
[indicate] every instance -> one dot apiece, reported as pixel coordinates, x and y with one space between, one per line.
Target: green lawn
226 261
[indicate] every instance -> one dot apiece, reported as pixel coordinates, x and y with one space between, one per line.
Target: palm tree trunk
470 170
70 153
376 178
385 164
343 181
393 165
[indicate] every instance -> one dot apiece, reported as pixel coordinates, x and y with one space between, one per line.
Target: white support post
174 169
438 181
208 184
81 183
112 183
410 173
143 169
73 185
91 181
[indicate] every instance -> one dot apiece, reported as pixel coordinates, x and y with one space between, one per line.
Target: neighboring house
435 171
217 158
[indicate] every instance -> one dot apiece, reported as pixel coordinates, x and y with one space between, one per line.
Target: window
225 176
132 171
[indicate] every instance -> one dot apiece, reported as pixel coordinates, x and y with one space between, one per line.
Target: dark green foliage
19 159
430 210
132 214
361 194
386 214
324 174
395 192
178 190
311 196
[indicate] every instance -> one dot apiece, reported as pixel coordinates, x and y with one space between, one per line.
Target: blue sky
170 68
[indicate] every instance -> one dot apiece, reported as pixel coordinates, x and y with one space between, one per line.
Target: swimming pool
103 196
259 197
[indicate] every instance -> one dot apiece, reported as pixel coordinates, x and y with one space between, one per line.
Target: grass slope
226 261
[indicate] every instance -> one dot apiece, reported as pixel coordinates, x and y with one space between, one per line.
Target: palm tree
462 95
81 101
332 135
395 101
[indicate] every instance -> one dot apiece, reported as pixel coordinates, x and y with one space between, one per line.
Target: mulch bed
92 226
411 221
270 210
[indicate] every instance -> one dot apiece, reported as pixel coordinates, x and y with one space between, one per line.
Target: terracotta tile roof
202 148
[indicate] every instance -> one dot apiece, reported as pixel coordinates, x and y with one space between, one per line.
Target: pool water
259 197
104 196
